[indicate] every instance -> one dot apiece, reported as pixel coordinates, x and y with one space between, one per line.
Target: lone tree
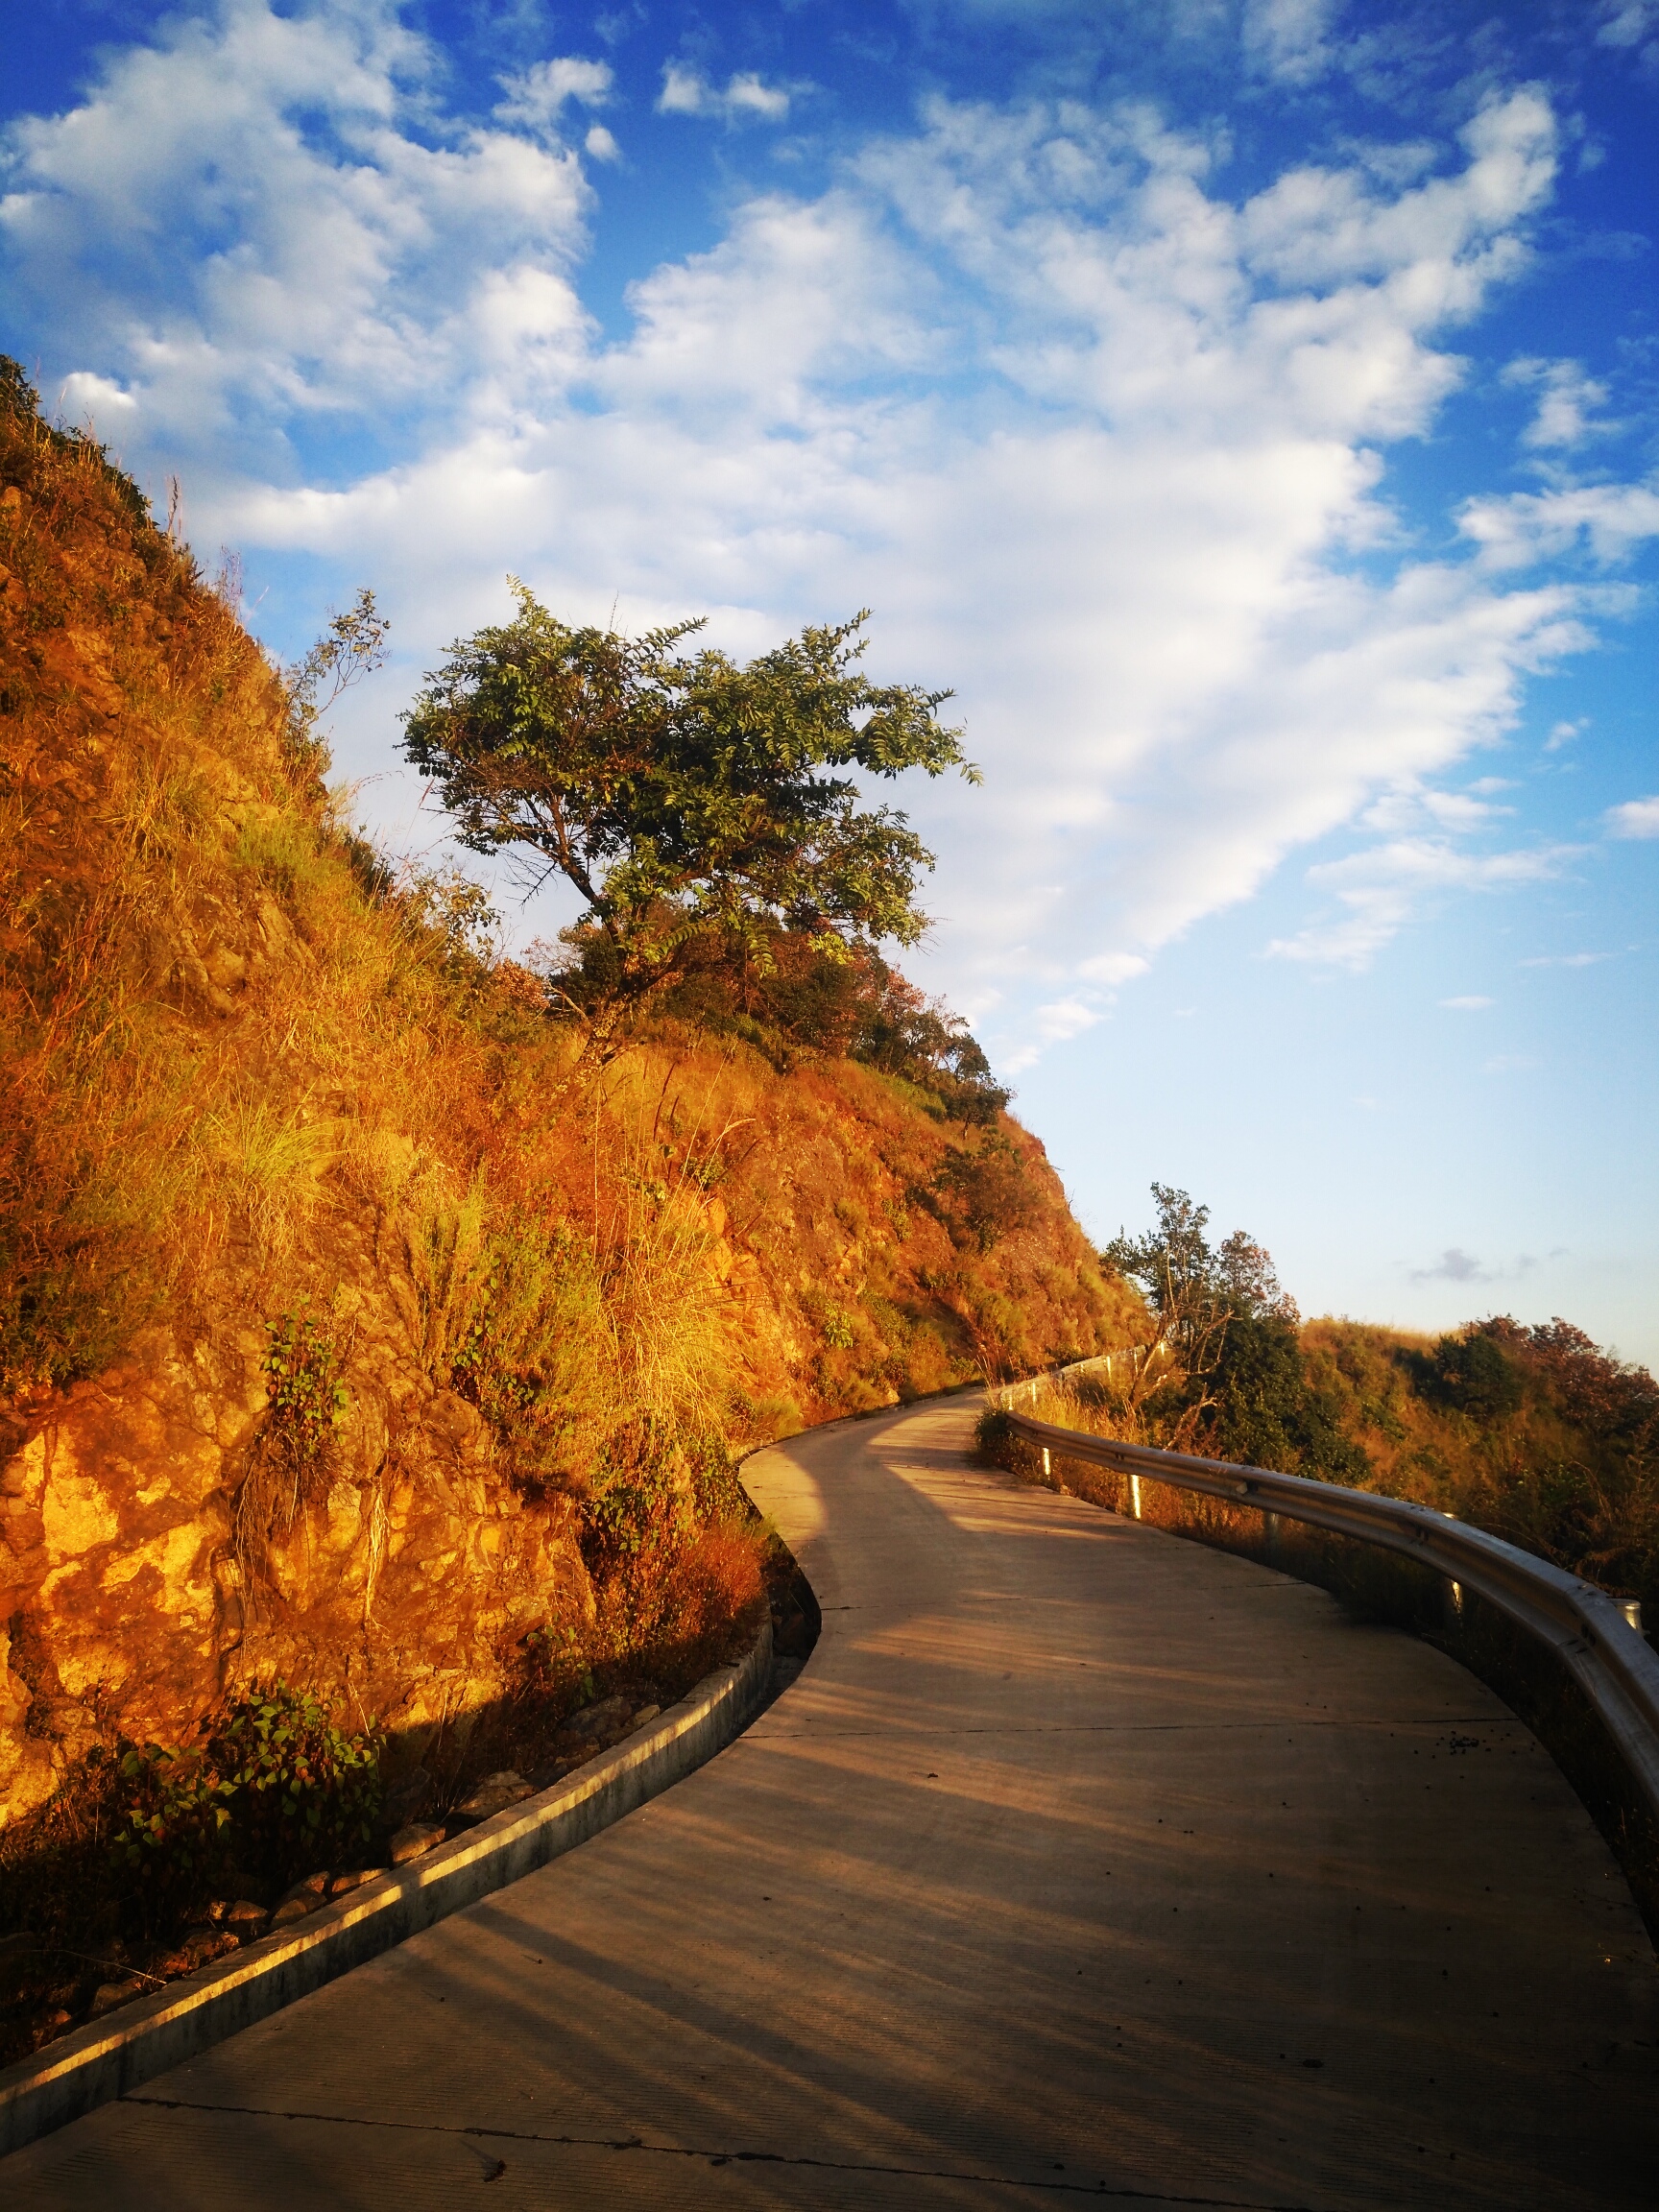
1204 1303
683 797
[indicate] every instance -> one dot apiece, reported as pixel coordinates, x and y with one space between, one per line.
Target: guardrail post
1135 1496
1270 1537
1451 1592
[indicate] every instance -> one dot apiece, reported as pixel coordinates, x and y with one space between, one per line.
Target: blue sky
1249 407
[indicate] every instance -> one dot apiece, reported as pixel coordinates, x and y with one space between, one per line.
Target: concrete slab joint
107 2057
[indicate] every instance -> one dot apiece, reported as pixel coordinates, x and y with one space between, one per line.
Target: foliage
683 797
272 1791
172 1142
1532 1432
148 809
671 1589
1267 1414
309 1400
1471 1373
1183 1381
853 1005
987 1190
351 647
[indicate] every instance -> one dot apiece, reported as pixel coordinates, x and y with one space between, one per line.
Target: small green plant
838 1329
171 1841
309 1400
271 1790
292 1457
304 1793
555 1666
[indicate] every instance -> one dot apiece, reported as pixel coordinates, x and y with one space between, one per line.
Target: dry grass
225 1045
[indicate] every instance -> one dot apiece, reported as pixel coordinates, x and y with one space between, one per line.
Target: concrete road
1080 1862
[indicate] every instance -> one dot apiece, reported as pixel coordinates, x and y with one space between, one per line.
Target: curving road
1080 1861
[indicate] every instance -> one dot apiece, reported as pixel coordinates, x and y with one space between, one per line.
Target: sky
1249 408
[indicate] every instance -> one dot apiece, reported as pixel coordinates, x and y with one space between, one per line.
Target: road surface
1080 1862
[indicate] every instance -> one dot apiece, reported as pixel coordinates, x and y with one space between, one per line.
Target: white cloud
1456 1266
1112 968
1526 528
1377 892
1286 38
1567 401
1563 734
1566 959
246 214
600 145
1626 22
1097 442
87 398
1416 806
1055 1023
746 98
536 96
1472 1004
1635 818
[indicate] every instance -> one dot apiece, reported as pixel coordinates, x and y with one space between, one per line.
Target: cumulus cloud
1635 818
745 99
247 217
1567 401
90 399
1607 520
1099 442
538 96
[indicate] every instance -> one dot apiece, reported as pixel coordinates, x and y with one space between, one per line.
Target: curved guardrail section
1609 1659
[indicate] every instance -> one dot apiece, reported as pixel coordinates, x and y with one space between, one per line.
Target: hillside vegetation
1532 1432
362 1329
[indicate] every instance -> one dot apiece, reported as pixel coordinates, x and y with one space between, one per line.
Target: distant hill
1533 1433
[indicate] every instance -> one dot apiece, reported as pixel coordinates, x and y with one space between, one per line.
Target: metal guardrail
1588 1631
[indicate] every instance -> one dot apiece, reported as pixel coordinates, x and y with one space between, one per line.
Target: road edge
105 2059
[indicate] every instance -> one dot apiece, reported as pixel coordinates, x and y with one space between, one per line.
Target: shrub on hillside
272 1791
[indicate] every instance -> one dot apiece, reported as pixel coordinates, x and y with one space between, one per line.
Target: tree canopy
685 794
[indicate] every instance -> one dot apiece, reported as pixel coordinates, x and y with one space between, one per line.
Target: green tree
1197 1294
1266 1413
682 796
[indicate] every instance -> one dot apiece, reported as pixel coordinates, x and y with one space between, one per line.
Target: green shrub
272 1791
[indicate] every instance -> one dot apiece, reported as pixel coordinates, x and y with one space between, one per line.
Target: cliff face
336 1320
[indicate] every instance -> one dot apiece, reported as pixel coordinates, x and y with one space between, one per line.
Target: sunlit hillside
347 1333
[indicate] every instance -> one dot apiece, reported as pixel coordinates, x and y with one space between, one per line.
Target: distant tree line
1531 1430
